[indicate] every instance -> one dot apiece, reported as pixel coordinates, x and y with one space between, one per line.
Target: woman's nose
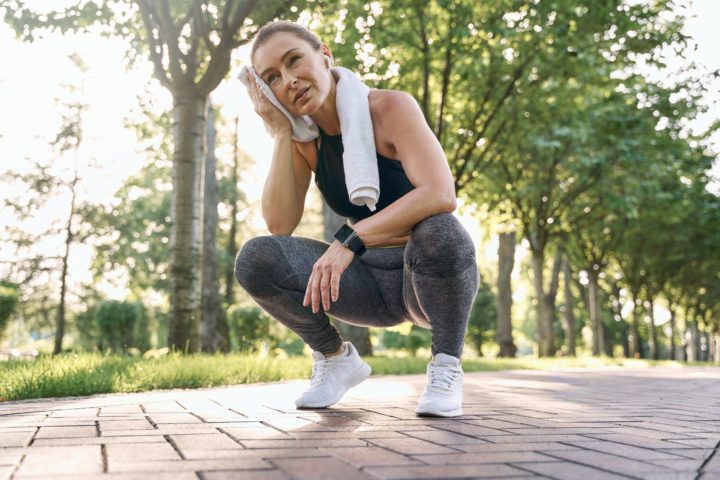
290 81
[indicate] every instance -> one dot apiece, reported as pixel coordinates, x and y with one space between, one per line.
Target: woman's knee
256 259
441 245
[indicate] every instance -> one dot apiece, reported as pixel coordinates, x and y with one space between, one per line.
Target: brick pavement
601 423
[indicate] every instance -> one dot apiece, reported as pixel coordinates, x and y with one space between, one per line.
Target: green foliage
483 318
416 339
249 327
121 325
8 301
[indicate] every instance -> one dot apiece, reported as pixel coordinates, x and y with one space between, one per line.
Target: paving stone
606 461
83 459
445 471
370 456
627 451
714 464
311 443
124 425
514 447
320 468
129 438
15 439
206 441
263 433
246 475
485 457
10 456
191 465
570 471
162 407
119 476
139 452
67 432
410 445
130 409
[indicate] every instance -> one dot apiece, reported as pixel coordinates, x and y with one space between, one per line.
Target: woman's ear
328 61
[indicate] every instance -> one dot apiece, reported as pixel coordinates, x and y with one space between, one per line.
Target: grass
90 373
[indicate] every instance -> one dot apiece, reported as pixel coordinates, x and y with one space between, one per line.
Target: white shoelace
320 371
442 379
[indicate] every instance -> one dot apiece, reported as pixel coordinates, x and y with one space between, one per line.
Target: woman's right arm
286 186
283 198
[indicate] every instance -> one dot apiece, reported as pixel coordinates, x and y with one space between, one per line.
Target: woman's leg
275 270
441 281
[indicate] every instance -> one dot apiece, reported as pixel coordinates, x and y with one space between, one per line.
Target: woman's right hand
273 117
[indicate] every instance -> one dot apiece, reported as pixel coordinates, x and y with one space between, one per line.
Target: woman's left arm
424 163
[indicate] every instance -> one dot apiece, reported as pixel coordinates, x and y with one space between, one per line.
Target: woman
429 278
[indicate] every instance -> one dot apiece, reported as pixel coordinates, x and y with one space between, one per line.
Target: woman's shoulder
390 106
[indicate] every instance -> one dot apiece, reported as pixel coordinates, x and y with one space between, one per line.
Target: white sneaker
443 394
332 377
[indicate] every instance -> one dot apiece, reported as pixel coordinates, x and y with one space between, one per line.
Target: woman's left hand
324 282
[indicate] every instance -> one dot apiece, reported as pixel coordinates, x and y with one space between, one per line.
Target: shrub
117 322
8 301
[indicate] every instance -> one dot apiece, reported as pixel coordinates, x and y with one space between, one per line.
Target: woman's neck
326 117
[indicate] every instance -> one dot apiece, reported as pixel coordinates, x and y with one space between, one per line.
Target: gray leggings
431 282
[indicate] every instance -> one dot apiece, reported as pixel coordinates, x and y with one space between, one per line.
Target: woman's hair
270 29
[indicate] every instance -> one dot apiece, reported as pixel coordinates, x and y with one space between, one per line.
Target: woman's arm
405 130
283 198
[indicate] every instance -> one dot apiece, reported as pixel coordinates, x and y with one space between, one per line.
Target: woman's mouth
301 95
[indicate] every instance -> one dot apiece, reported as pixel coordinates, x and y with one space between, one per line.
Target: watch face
346 230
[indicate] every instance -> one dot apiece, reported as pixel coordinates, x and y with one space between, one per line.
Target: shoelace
320 371
442 378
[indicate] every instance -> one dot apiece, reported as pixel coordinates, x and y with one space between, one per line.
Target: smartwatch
349 239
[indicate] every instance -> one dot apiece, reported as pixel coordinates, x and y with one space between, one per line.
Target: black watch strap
349 238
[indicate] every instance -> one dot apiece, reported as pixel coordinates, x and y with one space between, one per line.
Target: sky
32 78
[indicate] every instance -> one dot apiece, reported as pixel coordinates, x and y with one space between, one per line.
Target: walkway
609 423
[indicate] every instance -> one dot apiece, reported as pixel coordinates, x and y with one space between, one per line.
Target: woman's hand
324 282
274 118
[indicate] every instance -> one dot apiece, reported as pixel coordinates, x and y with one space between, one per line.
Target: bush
412 342
483 318
249 327
8 301
118 323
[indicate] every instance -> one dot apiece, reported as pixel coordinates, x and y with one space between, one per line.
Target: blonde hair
270 29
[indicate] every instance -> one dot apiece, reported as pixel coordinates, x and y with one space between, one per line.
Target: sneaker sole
361 374
439 413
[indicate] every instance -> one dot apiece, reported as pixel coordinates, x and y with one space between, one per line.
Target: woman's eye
271 78
293 58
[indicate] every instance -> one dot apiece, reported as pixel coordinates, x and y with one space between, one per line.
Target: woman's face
295 71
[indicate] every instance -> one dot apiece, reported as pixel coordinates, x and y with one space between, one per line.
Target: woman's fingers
324 283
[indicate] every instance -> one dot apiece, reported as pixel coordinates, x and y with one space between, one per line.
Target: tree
8 302
484 311
215 332
189 44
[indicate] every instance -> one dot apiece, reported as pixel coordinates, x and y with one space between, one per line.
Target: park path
594 423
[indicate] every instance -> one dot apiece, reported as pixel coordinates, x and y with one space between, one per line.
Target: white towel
359 155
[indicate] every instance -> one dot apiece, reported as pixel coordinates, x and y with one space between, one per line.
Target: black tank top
330 179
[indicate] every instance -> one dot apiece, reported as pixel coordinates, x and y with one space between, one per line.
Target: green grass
86 374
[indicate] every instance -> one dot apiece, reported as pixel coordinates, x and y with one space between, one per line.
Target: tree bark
545 340
569 313
654 353
358 336
186 238
636 347
594 310
213 325
232 235
60 321
506 262
673 328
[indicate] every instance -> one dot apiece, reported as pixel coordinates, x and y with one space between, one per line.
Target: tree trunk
545 340
232 235
506 262
186 237
636 347
654 353
594 310
213 325
358 336
673 329
716 342
60 321
569 313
